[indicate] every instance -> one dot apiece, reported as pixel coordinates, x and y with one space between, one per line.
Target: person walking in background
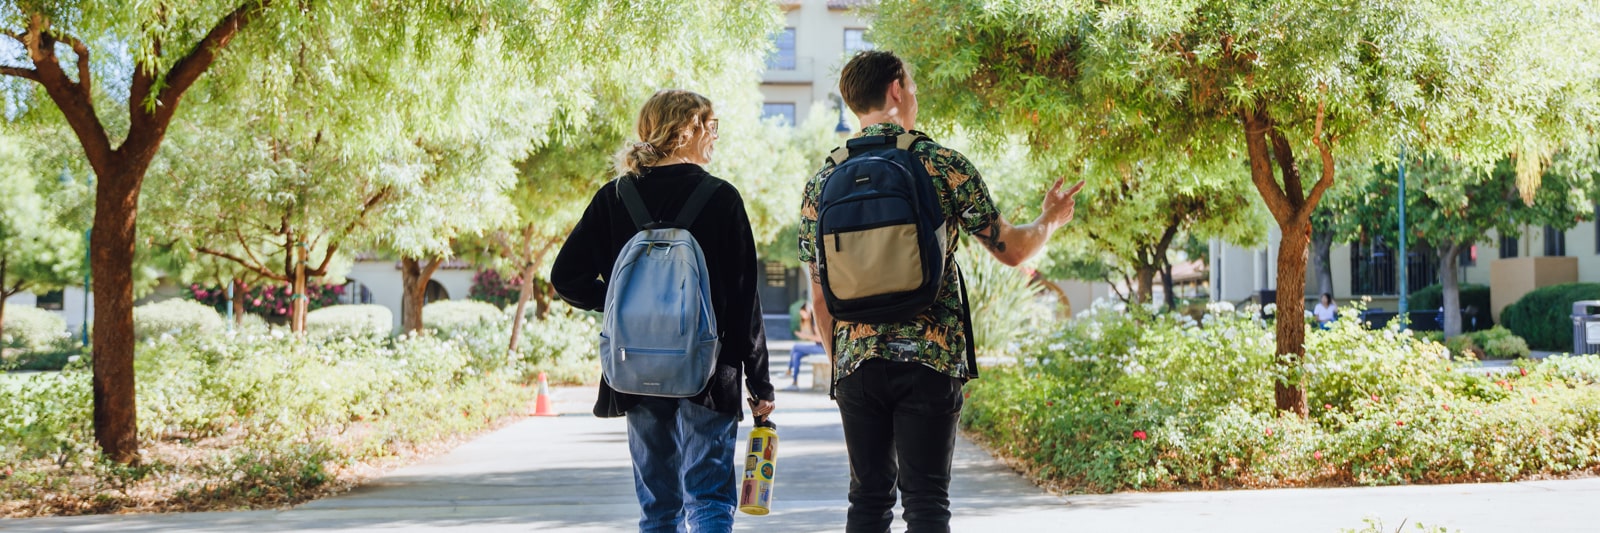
682 448
899 384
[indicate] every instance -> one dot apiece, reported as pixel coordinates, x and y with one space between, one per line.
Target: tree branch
82 51
24 73
184 73
1284 154
239 234
253 268
1256 126
1325 149
73 99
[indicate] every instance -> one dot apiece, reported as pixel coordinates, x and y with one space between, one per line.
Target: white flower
1270 309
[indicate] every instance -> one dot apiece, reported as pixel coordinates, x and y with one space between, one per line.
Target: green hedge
369 321
1544 317
447 315
1473 296
31 328
174 317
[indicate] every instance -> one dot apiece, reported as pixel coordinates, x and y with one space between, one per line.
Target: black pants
900 428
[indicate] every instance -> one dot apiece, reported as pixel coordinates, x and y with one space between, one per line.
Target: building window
1373 269
50 301
1508 246
784 111
355 292
1468 257
776 274
783 56
855 40
1555 242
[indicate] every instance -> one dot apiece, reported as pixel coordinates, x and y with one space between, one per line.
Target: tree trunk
1321 255
112 248
1147 281
299 306
1290 395
4 263
1167 289
528 288
414 276
1451 286
238 301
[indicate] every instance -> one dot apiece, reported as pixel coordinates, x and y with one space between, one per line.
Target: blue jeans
799 352
683 467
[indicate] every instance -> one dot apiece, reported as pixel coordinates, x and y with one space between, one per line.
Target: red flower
1139 434
1316 455
1445 407
1115 403
1535 400
1049 403
1523 370
1400 423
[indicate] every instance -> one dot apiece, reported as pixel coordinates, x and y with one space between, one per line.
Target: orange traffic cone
541 404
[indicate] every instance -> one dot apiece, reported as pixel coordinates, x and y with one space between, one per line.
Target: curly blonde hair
670 121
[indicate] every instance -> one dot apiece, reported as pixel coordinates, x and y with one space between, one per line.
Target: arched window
355 292
435 292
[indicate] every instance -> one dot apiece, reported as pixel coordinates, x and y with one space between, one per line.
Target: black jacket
582 267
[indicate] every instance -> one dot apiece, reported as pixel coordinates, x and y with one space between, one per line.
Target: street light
1404 259
843 129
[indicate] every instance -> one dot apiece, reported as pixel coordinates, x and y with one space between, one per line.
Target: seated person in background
807 342
1326 311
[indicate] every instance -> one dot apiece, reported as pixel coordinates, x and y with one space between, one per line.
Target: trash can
1586 327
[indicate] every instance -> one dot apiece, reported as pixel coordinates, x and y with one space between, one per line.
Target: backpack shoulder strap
966 325
906 140
629 193
697 201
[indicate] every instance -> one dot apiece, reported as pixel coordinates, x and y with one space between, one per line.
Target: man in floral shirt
899 385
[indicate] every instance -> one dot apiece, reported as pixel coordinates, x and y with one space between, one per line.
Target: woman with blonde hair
682 448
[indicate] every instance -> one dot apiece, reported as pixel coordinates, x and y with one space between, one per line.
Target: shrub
271 300
1500 343
235 418
1544 317
1474 299
488 286
350 321
1116 401
31 328
447 315
173 317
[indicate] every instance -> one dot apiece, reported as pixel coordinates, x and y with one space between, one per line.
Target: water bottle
755 496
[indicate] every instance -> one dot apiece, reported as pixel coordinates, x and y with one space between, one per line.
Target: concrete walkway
571 474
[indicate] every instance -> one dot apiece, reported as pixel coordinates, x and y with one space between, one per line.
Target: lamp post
1404 259
843 129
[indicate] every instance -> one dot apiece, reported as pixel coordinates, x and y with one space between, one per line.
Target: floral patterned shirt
936 338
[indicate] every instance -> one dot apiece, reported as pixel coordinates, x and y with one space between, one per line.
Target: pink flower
1445 407
1316 455
1269 432
1523 370
1477 411
258 301
1327 406
1139 434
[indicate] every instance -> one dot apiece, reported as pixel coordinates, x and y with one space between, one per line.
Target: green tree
41 239
1265 83
1450 208
150 54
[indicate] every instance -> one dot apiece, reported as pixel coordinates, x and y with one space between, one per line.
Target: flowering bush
267 301
31 328
236 418
488 286
1115 401
367 321
449 315
174 317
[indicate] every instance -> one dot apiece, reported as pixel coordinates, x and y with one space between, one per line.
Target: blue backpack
659 335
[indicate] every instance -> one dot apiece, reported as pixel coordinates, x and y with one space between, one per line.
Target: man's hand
1058 204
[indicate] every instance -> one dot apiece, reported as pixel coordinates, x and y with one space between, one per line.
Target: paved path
571 474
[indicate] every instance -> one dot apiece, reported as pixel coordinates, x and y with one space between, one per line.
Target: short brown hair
867 77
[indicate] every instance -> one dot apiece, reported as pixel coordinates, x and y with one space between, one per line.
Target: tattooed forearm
990 237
